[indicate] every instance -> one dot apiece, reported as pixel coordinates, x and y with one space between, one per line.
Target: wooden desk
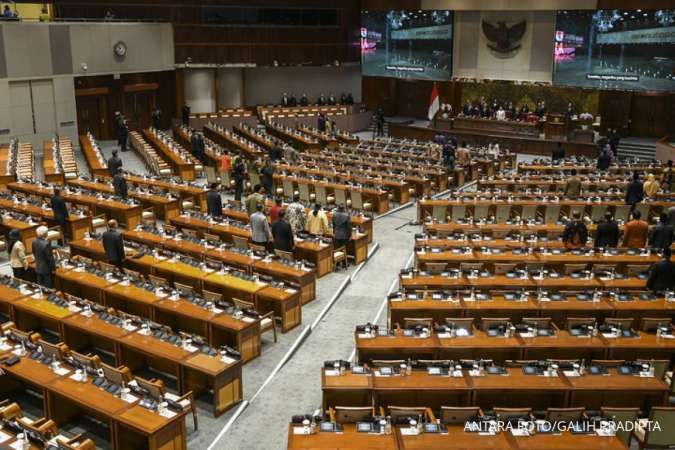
294 137
97 165
124 213
165 208
509 127
27 230
185 190
183 167
50 167
349 439
232 141
77 225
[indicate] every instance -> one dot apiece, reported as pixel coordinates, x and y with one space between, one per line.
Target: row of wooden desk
284 301
298 139
183 163
319 253
513 389
562 345
194 371
232 141
455 439
124 213
438 306
589 167
92 154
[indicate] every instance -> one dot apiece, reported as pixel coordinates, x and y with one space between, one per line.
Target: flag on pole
434 102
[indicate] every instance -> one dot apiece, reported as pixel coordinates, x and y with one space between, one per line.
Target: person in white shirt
493 148
501 114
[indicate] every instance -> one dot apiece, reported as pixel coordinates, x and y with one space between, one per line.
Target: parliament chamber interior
337 224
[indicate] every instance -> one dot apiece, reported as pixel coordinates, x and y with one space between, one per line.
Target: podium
555 128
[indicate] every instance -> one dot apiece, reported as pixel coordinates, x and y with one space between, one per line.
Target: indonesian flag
434 102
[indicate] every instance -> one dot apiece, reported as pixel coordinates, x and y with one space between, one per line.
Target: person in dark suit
304 101
635 191
123 133
321 100
157 119
282 233
285 101
292 101
607 234
114 163
350 99
60 211
575 234
214 203
267 177
44 258
342 227
331 99
662 274
238 175
113 245
661 236
117 123
558 153
186 114
379 120
605 159
120 184
321 123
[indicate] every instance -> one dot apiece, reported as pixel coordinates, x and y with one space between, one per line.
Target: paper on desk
406 431
331 373
130 398
4 437
519 431
227 360
16 445
61 371
364 336
571 373
75 309
168 413
290 290
4 347
190 348
300 430
217 311
76 377
130 328
248 319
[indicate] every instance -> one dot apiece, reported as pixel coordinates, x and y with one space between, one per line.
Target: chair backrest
470 266
438 213
340 197
491 322
481 211
357 200
564 414
623 323
621 212
502 268
183 287
212 296
242 304
352 414
529 212
552 213
623 415
577 209
411 322
210 174
257 248
435 268
633 270
190 233
288 256
406 411
665 435
303 188
212 239
573 322
569 268
456 415
539 322
157 281
650 324
386 362
507 413
502 213
458 212
660 366
598 212
643 209
288 188
465 323
240 242
320 193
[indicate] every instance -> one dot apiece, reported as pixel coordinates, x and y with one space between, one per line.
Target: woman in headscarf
17 254
651 186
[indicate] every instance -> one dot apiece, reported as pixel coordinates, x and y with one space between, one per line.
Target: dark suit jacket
44 258
635 192
120 185
283 236
60 211
604 161
662 276
342 226
113 246
214 203
607 234
661 236
114 163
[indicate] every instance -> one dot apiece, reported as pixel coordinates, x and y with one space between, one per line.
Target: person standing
113 245
662 274
651 187
275 210
635 191
317 222
44 258
321 123
120 185
214 202
260 227
558 153
60 210
635 232
282 232
379 121
607 234
575 234
668 177
295 214
661 236
573 186
123 131
17 254
255 199
267 177
342 227
239 175
225 165
157 119
605 159
186 114
114 163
